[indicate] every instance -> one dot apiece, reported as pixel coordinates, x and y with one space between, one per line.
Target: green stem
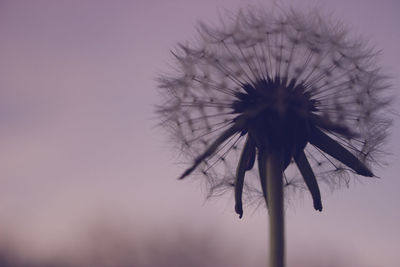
274 184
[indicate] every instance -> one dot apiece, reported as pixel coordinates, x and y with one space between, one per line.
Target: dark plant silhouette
276 89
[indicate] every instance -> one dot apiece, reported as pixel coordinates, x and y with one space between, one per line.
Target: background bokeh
88 179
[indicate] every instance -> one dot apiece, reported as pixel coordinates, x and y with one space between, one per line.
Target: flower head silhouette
265 83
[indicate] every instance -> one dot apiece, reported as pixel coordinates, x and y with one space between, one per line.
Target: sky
87 177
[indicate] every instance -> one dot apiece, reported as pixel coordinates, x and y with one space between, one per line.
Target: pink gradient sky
79 146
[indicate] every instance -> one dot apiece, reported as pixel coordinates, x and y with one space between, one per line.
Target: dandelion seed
278 90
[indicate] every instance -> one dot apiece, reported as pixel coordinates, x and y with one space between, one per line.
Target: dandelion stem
274 183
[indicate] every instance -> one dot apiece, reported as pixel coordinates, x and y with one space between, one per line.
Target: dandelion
290 93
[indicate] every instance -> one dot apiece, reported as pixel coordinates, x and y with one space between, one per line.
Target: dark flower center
277 114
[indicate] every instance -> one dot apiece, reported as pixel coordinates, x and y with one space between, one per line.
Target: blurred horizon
88 179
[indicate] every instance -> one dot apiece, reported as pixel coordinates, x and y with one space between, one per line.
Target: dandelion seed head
276 76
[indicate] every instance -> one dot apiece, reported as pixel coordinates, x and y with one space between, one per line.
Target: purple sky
80 152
